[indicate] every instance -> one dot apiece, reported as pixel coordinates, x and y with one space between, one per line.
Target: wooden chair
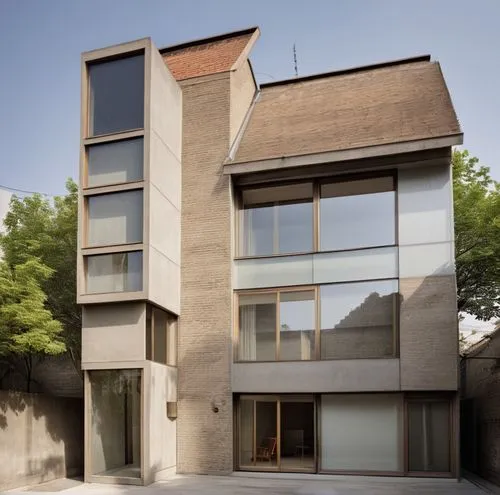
267 450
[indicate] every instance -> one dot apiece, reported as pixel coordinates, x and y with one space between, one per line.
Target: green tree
38 228
27 327
477 237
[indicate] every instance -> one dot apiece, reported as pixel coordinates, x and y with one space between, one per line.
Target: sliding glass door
276 433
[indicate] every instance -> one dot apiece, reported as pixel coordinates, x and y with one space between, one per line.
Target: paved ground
239 485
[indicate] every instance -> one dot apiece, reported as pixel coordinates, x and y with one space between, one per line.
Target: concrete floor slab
284 485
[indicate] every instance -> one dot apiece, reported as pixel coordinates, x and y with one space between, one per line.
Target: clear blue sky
41 42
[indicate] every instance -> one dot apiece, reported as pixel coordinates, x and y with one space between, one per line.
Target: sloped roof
207 56
381 104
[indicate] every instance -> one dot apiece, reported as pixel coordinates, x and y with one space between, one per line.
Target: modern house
266 273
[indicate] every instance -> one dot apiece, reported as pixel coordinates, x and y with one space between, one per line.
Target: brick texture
207 58
204 437
379 106
428 333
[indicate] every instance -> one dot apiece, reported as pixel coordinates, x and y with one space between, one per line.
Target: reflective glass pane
257 332
277 220
116 95
357 320
247 456
118 272
115 163
429 436
159 336
297 326
115 430
115 218
266 438
357 214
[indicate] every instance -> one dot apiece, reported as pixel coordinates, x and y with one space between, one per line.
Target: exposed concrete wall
41 438
161 432
163 186
114 332
242 93
205 323
357 375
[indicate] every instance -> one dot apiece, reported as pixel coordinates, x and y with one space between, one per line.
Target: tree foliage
42 235
477 237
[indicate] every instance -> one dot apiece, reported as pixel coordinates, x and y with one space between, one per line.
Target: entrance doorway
277 433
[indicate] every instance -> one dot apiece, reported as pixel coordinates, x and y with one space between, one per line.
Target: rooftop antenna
295 61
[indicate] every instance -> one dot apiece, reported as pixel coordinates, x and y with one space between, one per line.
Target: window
358 320
115 218
429 436
277 220
361 432
116 96
115 426
260 340
115 163
118 272
357 214
161 336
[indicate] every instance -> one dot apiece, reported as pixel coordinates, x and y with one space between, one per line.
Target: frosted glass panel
361 432
365 264
116 95
274 272
115 218
423 260
115 163
119 272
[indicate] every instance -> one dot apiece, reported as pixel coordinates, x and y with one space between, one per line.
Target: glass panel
119 272
115 218
357 320
160 336
116 95
429 436
357 214
297 325
274 272
115 163
115 435
361 432
277 220
297 436
266 437
257 332
348 266
246 433
172 340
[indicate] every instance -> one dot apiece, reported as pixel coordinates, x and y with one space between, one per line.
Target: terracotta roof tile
404 102
202 59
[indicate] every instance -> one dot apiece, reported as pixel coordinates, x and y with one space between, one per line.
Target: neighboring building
480 414
266 273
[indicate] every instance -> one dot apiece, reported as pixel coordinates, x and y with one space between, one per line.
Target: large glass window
358 320
361 432
115 430
115 218
115 163
297 326
429 436
117 272
161 336
257 332
277 220
357 214
116 96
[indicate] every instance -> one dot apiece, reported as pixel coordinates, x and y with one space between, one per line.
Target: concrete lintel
114 50
114 365
342 155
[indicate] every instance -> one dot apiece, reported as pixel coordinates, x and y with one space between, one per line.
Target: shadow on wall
44 438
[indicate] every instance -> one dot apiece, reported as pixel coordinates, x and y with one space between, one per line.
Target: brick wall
204 437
